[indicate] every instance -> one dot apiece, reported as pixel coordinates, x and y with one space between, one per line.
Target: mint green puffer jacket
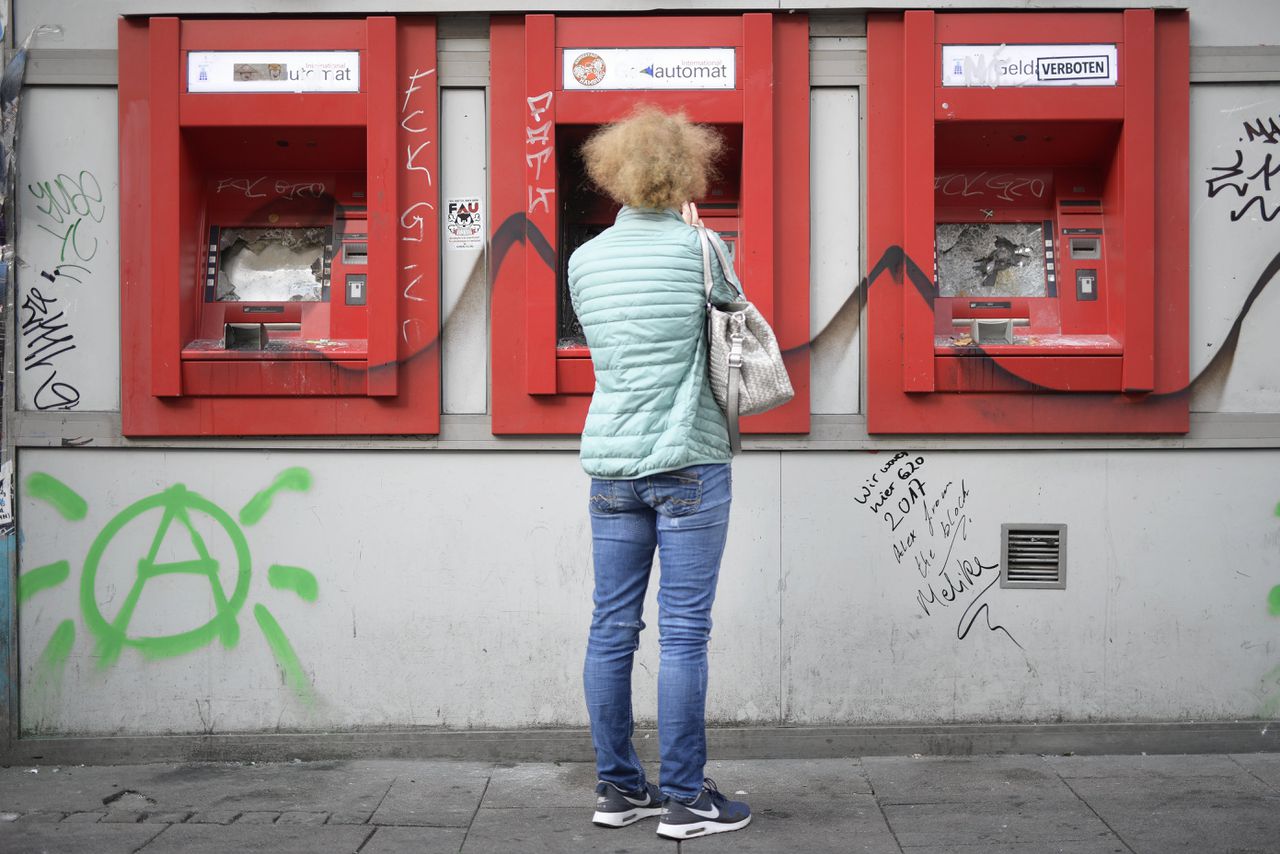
637 288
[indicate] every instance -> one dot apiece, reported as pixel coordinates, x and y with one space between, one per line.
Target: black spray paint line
894 260
1226 351
516 228
970 616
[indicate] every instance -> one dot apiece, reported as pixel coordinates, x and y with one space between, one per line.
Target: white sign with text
273 71
649 68
996 65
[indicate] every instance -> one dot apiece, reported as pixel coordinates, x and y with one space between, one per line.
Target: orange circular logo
588 69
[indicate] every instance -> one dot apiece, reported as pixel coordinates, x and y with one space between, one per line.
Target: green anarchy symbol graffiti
178 507
178 504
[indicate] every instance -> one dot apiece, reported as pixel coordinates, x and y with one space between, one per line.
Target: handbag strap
731 403
735 364
707 281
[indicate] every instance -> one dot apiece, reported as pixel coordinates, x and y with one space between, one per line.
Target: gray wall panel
450 589
1235 236
91 23
464 305
1164 614
1235 22
835 232
453 589
68 278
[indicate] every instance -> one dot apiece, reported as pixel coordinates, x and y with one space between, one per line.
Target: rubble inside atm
271 264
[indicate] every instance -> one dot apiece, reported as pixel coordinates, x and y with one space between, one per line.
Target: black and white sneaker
712 812
616 808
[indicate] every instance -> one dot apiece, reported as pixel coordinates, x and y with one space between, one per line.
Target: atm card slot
991 330
355 253
256 336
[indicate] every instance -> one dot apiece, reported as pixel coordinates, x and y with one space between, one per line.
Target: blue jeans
684 515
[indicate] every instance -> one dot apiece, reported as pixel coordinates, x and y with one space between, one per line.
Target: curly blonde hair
652 159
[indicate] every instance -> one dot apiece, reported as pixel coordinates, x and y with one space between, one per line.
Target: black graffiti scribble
1234 177
47 336
1241 177
956 576
60 272
1269 132
971 613
67 202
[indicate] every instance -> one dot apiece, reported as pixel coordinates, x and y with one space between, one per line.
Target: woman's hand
689 213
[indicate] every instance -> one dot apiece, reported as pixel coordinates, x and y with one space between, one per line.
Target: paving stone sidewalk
1205 804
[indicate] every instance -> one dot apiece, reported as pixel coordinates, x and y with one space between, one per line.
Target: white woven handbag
745 363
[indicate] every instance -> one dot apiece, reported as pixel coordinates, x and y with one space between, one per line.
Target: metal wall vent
1033 556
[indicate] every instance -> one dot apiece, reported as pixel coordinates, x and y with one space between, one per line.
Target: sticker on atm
1029 65
464 225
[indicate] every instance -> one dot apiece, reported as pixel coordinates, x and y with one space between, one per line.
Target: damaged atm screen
272 264
991 259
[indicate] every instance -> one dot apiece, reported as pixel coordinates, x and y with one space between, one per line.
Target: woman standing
657 449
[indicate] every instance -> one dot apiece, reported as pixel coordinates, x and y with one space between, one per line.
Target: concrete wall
352 584
453 589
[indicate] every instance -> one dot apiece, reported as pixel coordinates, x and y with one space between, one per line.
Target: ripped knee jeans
684 516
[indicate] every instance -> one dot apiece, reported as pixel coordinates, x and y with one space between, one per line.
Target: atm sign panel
1029 65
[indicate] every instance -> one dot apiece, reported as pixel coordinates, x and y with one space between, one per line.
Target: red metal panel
541 203
1038 103
650 31
1172 236
919 71
1027 374
164 230
885 165
385 212
1020 27
756 247
266 378
274 34
790 306
1039 413
575 376
275 110
164 176
511 240
506 211
416 332
1139 141
536 390
136 348
589 108
1146 177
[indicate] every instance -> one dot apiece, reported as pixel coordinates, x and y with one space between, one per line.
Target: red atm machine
555 80
279 235
1027 222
